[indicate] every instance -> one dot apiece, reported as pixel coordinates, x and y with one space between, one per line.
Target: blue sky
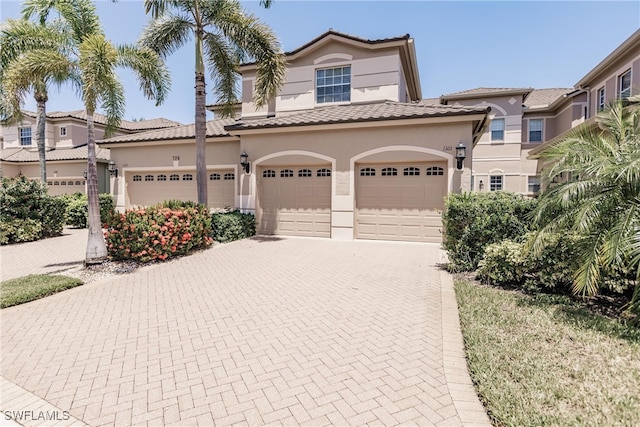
460 45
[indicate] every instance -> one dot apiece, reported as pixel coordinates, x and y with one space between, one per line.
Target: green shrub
53 216
19 230
158 233
178 204
27 212
77 209
233 225
503 264
472 221
21 198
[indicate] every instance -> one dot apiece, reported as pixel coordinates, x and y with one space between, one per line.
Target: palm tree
596 196
91 62
17 37
224 36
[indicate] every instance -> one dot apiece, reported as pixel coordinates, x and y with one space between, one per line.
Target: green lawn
29 288
544 360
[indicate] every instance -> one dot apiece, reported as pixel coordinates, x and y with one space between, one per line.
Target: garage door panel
400 207
146 188
295 205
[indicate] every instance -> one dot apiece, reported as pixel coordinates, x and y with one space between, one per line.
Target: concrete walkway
261 331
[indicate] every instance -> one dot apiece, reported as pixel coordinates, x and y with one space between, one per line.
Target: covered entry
294 200
400 201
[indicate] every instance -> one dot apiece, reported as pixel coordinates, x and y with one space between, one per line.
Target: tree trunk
201 139
96 247
41 120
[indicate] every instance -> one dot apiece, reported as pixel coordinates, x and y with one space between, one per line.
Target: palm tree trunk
41 120
201 140
96 247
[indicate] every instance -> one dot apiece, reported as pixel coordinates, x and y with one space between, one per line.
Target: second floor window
601 99
624 83
535 130
497 130
333 85
63 131
25 136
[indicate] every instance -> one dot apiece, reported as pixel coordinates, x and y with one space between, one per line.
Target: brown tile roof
481 92
387 110
331 31
215 128
102 119
429 101
29 155
540 98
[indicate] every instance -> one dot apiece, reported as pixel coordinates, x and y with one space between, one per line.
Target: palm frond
222 62
153 75
167 34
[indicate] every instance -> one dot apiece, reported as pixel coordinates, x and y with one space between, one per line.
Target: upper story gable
337 68
506 111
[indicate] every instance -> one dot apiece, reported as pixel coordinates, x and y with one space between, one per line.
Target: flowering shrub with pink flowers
158 232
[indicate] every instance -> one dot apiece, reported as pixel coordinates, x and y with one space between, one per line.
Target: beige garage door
400 201
294 201
150 188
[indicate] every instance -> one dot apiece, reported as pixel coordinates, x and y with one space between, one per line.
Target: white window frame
325 86
492 130
63 131
600 98
541 121
625 92
493 186
22 138
529 184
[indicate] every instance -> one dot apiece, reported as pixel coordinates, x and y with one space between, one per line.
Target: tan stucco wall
375 75
59 171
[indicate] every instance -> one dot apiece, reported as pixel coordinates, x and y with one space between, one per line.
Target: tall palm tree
597 197
17 37
91 63
224 35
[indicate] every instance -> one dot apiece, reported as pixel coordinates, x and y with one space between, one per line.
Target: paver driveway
261 331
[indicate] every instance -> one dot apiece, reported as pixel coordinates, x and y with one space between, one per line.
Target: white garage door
294 201
400 201
151 188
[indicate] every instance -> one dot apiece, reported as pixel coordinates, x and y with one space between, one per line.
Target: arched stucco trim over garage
448 157
248 203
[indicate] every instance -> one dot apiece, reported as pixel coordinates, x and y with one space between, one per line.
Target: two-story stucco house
344 151
66 148
524 120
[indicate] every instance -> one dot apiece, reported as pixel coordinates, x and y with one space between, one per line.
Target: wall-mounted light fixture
461 154
113 170
481 185
84 174
244 162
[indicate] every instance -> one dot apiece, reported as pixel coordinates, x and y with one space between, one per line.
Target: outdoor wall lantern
113 170
84 174
481 185
244 162
461 154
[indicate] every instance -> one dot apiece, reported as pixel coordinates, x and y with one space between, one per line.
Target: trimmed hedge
27 212
77 209
158 233
472 221
233 225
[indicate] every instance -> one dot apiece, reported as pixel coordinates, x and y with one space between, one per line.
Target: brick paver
261 331
52 255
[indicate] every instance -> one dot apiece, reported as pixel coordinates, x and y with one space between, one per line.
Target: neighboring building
349 149
66 145
344 151
524 120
